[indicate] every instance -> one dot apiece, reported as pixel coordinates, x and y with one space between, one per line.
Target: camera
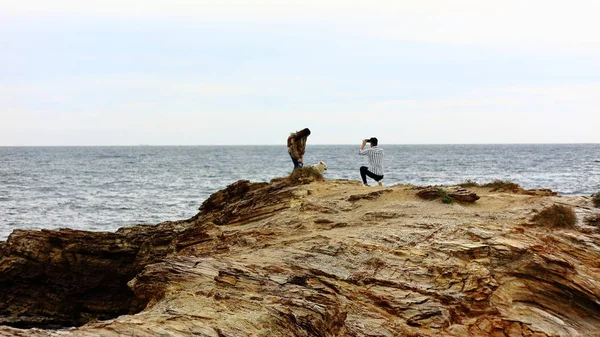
368 140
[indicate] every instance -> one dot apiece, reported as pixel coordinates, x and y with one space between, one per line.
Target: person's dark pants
364 172
296 162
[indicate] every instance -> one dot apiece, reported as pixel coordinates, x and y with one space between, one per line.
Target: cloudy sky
193 72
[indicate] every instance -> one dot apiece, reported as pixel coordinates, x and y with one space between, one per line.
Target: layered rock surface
328 258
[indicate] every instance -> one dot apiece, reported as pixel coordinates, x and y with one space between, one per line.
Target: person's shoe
367 185
380 183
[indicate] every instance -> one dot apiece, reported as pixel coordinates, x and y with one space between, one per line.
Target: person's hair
374 141
303 133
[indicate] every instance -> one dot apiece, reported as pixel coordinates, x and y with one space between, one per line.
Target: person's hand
364 142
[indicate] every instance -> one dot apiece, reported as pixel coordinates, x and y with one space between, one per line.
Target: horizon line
308 144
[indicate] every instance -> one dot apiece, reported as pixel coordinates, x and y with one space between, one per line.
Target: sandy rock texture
326 258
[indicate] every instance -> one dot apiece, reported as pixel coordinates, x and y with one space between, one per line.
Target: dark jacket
296 145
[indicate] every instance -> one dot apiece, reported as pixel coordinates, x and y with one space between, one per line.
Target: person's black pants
296 162
364 172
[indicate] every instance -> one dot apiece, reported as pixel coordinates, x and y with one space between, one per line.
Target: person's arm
362 152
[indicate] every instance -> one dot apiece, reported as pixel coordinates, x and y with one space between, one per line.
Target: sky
193 72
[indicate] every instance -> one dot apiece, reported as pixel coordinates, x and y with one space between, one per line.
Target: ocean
104 188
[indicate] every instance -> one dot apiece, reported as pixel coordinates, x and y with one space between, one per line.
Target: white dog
321 167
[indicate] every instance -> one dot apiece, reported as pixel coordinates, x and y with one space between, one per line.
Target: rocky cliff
321 258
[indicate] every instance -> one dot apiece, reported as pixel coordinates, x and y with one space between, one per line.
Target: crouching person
375 154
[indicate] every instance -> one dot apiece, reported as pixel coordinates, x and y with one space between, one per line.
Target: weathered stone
323 221
498 333
429 193
514 330
275 260
374 216
463 196
485 326
458 330
593 220
368 196
541 192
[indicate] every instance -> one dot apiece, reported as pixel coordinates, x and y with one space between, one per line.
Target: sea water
104 188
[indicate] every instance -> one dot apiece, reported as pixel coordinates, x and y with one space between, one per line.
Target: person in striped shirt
375 154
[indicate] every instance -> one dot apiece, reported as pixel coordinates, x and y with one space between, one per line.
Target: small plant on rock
556 216
503 185
446 199
469 183
302 175
596 199
431 193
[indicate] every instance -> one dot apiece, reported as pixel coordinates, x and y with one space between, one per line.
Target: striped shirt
375 155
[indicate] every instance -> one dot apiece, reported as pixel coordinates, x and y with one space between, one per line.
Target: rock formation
321 258
459 194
